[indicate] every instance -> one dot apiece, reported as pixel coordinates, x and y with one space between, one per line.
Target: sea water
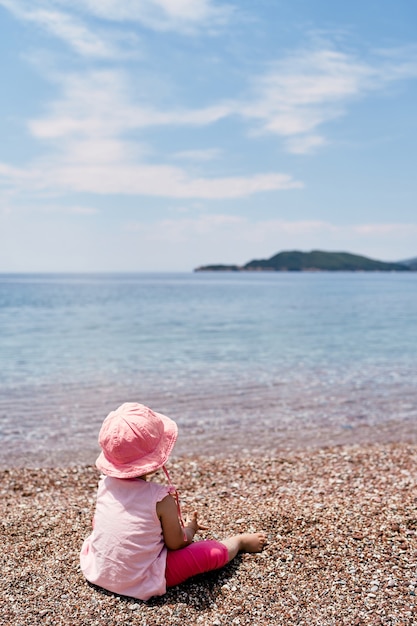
222 353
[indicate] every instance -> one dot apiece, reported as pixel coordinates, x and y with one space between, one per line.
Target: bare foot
252 542
248 542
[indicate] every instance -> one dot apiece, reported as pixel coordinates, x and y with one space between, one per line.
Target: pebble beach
342 541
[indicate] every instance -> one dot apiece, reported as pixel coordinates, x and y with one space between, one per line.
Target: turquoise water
206 348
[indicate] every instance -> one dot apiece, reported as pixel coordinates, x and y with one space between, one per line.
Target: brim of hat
146 464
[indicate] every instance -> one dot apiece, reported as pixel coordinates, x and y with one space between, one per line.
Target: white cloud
182 15
386 230
8 172
87 128
86 132
141 179
209 154
100 103
303 91
69 20
184 229
84 40
308 89
73 210
304 144
293 99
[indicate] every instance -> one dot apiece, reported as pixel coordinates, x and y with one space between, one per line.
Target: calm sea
248 359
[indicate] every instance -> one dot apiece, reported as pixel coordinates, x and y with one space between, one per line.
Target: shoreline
57 425
342 541
221 440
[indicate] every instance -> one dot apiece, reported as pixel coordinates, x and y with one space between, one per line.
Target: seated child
139 545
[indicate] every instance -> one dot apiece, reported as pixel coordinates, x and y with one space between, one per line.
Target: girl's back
125 553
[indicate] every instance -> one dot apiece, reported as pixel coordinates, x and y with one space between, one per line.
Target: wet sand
54 426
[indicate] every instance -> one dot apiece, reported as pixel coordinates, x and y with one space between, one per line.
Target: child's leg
204 556
197 558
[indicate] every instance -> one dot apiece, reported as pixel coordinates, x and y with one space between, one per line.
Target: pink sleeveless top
126 553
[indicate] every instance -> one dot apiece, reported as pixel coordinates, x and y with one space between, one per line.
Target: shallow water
251 360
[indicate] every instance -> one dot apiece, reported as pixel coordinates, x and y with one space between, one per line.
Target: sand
342 542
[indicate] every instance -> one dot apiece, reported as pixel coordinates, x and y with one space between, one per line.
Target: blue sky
153 135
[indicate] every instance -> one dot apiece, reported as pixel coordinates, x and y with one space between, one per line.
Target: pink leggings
197 558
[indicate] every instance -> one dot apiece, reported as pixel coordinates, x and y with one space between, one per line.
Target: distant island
314 261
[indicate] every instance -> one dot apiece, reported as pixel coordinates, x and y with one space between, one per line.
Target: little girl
139 545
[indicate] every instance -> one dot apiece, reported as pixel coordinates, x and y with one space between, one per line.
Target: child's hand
194 523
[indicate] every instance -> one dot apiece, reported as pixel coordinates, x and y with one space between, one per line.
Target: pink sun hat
135 441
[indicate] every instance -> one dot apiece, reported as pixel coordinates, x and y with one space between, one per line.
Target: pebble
349 546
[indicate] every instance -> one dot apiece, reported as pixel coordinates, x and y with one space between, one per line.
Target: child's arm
175 536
